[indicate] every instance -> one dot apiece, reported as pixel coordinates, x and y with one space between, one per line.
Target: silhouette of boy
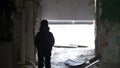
44 41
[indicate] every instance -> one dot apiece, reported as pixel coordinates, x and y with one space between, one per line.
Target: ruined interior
19 22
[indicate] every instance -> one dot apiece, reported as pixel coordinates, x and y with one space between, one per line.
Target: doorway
72 23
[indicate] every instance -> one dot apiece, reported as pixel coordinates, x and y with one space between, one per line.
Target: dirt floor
61 55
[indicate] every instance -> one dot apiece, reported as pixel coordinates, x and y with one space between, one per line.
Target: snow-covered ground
61 55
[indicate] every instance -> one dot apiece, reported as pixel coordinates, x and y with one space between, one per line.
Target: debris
87 63
82 46
74 63
92 64
94 59
65 46
78 45
70 46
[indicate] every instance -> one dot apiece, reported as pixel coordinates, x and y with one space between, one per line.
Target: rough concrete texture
109 45
67 9
29 30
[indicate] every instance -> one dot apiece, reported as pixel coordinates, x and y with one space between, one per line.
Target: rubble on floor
92 63
74 56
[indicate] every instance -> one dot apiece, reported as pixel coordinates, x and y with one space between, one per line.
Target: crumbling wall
8 58
25 31
108 33
29 31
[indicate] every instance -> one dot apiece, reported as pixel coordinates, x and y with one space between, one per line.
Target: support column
29 31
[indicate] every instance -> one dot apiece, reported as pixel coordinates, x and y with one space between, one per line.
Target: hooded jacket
44 39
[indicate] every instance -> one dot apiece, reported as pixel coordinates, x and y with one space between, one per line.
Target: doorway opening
72 24
74 40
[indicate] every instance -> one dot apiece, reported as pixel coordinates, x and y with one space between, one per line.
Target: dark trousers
44 59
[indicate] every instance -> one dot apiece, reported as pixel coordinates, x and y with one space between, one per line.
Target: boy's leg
40 61
48 60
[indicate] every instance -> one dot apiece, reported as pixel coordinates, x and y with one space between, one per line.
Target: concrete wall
67 9
8 47
20 31
108 35
29 30
109 48
21 48
8 57
25 31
